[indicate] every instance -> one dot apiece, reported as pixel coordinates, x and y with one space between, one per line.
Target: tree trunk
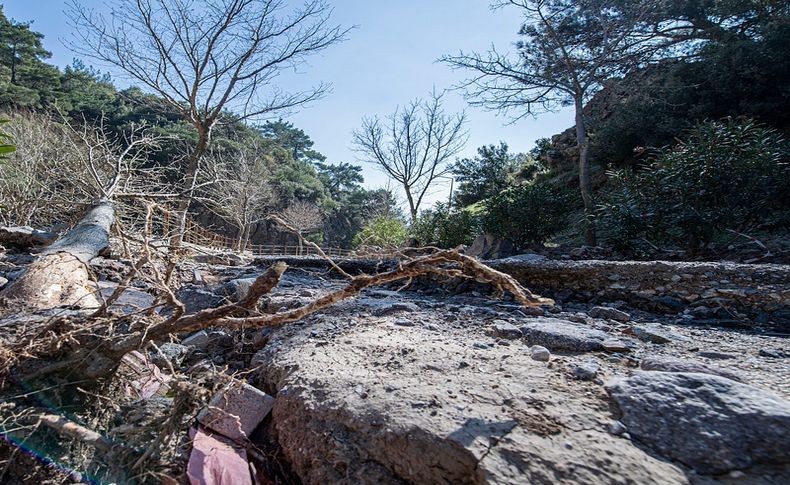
60 275
585 184
410 199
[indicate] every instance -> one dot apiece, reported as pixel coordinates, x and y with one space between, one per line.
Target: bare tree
107 168
243 193
205 57
568 50
413 145
38 181
302 217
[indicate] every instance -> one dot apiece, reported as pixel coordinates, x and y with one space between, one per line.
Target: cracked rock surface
362 398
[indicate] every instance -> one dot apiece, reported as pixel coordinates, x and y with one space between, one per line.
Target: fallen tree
60 276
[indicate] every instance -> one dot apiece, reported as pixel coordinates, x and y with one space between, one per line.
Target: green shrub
727 175
382 232
529 213
446 228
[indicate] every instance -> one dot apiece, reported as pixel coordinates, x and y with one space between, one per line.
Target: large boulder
711 424
488 246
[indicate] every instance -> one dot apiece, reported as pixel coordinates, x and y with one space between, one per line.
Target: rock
169 352
3 281
196 299
506 330
614 345
617 428
235 412
556 334
237 289
488 246
131 300
385 309
404 322
532 311
585 371
710 354
527 257
651 333
671 364
439 413
207 338
539 353
609 313
669 304
773 353
711 424
25 237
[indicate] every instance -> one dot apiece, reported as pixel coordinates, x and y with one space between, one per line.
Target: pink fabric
215 462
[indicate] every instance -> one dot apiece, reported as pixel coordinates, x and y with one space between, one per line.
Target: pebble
540 353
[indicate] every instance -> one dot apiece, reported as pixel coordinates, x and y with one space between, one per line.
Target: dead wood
60 275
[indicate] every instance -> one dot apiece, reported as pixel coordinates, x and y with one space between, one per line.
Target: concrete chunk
236 412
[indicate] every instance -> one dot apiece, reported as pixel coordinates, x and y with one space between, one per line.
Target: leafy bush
446 228
727 175
529 213
382 232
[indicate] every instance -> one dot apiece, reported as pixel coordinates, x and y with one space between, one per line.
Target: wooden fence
199 235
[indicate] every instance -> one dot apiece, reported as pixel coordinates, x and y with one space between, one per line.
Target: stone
403 322
585 371
651 333
385 309
617 428
3 281
169 352
710 354
442 413
488 246
236 412
669 304
207 338
237 289
609 313
539 353
556 334
711 424
196 299
527 257
506 330
773 353
614 345
672 364
25 236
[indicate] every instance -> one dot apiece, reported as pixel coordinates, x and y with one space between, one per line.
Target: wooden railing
200 236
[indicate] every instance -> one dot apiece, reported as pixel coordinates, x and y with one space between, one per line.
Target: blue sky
389 59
